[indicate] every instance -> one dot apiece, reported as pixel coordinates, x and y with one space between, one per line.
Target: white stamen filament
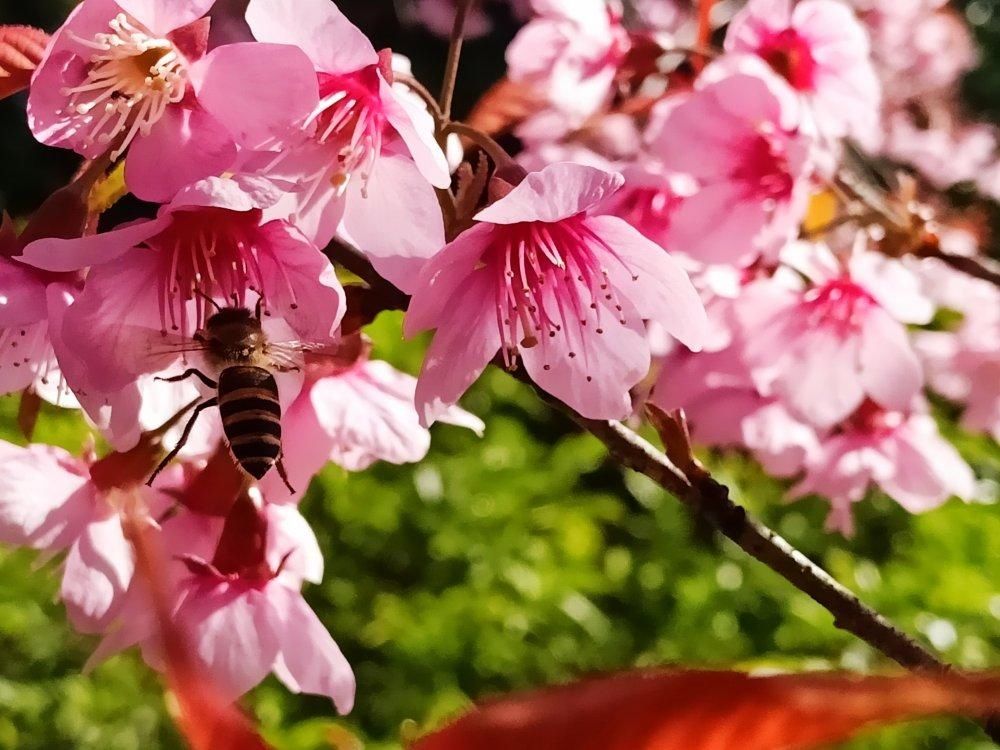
132 78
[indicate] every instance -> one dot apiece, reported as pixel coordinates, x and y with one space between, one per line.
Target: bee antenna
211 301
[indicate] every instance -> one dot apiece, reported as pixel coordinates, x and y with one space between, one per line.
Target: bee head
233 335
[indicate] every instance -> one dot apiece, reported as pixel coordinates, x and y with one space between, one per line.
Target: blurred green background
515 560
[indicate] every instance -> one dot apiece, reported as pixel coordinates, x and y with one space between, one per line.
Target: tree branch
454 55
980 268
710 500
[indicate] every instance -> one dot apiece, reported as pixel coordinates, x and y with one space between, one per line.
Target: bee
246 392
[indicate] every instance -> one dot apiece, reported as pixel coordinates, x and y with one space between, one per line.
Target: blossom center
763 168
870 419
648 208
212 252
132 77
349 117
789 55
547 278
839 305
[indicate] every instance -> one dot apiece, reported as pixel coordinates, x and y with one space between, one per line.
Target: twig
454 55
704 37
420 90
710 500
494 150
980 268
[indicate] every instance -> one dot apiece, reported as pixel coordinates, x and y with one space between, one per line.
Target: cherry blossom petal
233 632
333 43
662 291
460 351
115 414
890 371
716 226
821 382
97 574
556 192
592 372
396 221
310 660
54 254
292 545
22 295
305 451
102 328
442 277
198 144
163 16
285 91
416 127
46 498
300 282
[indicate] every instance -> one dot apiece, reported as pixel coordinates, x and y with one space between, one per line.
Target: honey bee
246 392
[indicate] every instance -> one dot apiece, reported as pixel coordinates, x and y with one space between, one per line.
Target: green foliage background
520 559
515 560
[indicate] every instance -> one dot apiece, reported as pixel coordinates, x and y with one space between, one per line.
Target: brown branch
421 91
454 55
710 500
980 268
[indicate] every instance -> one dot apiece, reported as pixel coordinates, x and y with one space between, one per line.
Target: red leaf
206 720
21 49
502 107
668 710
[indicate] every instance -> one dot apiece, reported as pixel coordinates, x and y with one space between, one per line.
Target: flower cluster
822 333
657 240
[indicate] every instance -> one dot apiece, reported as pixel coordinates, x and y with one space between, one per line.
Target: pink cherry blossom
964 364
907 43
118 76
648 200
724 408
570 54
361 156
822 51
53 501
900 452
438 16
826 347
714 389
152 281
27 357
206 492
243 615
946 153
542 276
737 137
355 413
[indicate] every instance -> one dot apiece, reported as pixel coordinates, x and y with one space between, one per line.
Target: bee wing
286 356
171 343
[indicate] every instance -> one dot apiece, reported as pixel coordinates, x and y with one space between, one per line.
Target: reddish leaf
21 49
214 489
9 246
243 543
672 710
502 107
27 412
205 719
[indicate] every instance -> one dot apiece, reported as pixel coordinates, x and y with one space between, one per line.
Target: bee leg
187 374
280 466
184 437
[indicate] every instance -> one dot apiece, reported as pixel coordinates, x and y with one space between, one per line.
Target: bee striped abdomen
251 417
